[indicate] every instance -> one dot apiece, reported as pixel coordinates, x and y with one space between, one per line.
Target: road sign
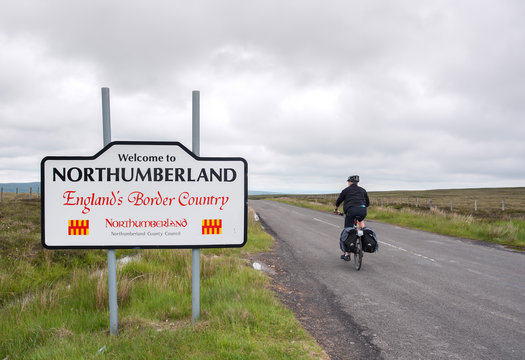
146 195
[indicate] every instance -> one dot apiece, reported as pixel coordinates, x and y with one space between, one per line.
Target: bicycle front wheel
358 256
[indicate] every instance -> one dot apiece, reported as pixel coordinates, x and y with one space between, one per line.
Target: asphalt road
421 296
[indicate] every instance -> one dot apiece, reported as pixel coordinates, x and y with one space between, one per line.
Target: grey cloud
422 94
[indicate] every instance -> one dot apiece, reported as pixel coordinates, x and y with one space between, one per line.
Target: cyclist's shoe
345 257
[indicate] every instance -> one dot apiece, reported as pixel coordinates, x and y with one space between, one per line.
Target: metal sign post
144 194
195 253
112 261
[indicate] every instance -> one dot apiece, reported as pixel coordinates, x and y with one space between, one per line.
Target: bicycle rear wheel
358 255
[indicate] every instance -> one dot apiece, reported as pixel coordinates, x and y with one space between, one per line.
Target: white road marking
408 251
385 243
326 222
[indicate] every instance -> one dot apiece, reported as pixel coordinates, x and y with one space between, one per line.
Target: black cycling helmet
353 178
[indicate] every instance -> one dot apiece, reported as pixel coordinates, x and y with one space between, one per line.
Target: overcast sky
407 94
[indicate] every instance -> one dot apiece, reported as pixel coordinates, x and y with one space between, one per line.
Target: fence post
430 204
30 192
475 205
417 202
1 194
451 205
502 205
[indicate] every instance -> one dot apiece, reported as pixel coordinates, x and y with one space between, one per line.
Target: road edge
314 305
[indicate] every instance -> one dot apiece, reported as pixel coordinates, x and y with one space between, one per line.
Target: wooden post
1 194
451 205
417 202
502 205
475 205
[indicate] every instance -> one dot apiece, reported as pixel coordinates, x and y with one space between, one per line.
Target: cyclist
355 202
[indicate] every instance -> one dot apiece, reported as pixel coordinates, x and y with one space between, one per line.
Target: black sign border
140 143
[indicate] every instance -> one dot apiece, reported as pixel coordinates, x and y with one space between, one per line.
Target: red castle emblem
212 226
78 227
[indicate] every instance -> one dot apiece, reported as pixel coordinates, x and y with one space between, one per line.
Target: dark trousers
354 212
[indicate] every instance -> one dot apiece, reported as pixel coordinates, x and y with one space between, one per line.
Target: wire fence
482 203
19 194
449 204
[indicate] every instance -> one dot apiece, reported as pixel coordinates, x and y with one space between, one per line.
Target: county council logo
212 226
78 227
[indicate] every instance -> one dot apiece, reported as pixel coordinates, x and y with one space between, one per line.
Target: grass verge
54 305
510 232
507 232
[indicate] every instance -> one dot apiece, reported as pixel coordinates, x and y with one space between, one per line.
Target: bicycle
358 249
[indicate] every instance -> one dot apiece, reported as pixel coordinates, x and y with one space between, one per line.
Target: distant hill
22 187
258 192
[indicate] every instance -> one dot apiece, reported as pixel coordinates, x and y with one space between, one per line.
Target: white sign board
144 195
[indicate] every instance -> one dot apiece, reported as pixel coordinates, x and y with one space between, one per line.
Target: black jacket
353 195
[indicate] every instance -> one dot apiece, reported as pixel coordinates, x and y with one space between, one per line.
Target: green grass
509 232
492 224
54 304
489 201
25 265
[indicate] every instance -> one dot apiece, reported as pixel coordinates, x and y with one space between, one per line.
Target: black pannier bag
369 240
348 239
